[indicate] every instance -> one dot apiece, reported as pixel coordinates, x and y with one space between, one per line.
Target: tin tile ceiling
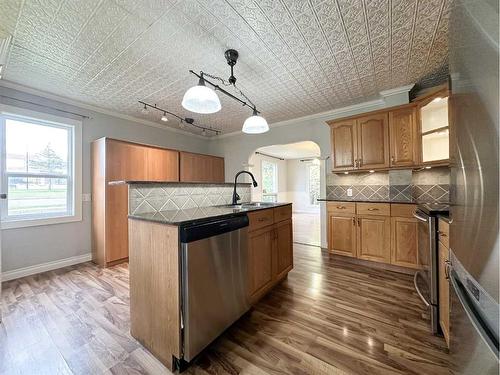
297 57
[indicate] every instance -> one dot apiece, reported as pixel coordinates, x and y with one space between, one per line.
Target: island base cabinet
270 250
284 248
260 260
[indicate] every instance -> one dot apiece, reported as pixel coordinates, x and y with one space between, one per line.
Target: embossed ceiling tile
147 10
378 17
354 20
401 39
9 9
429 7
402 12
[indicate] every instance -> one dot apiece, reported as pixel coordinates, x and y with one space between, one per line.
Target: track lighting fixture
145 110
203 99
183 120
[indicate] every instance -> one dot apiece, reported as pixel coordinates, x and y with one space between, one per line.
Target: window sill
12 224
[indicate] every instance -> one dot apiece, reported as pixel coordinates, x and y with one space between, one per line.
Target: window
41 168
269 181
313 184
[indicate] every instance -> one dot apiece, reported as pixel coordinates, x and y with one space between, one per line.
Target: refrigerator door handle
475 320
415 278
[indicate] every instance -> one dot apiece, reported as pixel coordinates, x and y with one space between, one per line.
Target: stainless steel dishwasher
214 256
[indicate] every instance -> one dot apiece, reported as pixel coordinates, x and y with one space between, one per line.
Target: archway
292 172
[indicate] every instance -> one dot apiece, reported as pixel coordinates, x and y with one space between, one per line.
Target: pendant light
255 124
201 99
164 117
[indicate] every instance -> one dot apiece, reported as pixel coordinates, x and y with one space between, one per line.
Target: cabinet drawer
382 209
282 213
444 232
341 207
403 210
260 219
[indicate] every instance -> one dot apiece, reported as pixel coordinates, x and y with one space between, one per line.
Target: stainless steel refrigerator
474 238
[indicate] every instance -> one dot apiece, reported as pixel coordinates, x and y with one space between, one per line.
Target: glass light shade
201 99
164 117
255 124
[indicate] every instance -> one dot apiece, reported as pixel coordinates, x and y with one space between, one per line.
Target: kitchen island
180 270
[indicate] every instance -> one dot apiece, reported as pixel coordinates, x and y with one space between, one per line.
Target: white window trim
308 185
276 182
77 166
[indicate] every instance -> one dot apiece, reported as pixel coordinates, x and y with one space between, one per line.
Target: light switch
349 192
86 197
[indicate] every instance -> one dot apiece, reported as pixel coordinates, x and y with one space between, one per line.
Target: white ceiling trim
76 103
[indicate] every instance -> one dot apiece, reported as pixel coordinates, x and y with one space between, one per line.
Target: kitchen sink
243 206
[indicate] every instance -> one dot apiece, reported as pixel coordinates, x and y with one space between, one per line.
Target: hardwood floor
328 317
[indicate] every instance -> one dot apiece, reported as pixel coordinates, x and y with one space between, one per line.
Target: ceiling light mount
187 120
203 99
231 58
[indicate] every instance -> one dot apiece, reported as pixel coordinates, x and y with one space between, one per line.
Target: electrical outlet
349 192
86 197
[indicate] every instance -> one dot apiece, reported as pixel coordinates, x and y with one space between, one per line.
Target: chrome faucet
236 197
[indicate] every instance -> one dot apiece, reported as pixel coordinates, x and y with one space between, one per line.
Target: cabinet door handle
261 219
373 209
353 221
443 234
355 163
359 222
392 159
360 162
341 207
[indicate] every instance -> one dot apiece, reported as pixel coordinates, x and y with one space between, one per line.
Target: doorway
291 173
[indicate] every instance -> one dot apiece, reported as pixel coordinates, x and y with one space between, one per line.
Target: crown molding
321 116
90 107
397 90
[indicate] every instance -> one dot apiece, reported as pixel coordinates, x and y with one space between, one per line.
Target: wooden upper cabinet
130 161
373 141
404 138
374 238
344 145
201 168
162 165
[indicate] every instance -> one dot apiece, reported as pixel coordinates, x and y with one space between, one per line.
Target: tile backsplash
428 185
144 198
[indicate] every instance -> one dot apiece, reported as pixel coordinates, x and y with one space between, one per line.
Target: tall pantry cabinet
114 160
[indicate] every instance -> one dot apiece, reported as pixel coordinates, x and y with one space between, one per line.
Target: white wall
35 245
298 186
255 167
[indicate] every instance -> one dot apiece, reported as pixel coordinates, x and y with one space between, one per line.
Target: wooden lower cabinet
270 250
444 293
374 235
284 248
342 234
260 260
378 232
404 242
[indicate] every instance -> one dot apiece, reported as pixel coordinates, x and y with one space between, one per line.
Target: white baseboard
43 267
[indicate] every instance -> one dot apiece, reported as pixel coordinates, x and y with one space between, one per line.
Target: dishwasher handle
199 231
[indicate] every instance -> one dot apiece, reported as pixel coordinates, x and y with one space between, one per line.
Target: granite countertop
192 215
366 201
135 182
